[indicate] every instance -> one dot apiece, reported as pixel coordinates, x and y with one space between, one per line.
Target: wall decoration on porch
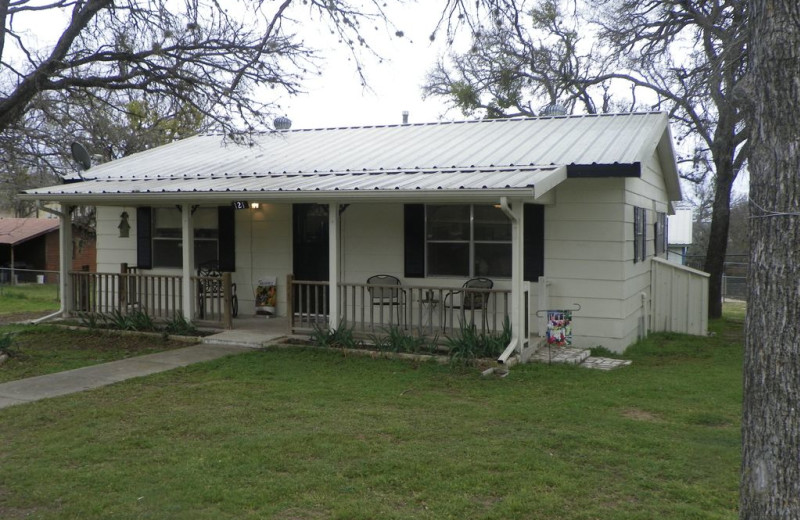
267 296
559 328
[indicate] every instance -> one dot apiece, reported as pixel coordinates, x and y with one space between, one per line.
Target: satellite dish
81 155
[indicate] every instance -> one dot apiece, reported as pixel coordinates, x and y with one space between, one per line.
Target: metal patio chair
386 290
467 299
209 287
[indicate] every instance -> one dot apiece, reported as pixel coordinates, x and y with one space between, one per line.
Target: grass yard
28 298
301 434
43 349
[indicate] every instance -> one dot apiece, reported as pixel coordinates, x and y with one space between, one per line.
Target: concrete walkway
80 379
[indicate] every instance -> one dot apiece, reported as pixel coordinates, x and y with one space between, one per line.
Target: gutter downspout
60 311
516 280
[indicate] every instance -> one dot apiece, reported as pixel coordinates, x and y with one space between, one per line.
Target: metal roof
503 154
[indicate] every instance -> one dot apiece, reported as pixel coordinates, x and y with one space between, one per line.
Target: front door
310 254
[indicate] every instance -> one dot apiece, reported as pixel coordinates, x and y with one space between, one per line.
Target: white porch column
517 275
65 259
187 236
333 265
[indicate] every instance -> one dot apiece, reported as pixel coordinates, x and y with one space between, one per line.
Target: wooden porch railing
423 310
160 296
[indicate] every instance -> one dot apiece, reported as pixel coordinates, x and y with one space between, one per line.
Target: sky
336 98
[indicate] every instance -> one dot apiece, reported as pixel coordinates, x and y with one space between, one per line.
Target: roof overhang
475 184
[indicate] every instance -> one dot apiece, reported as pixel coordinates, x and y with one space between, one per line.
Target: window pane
205 218
448 222
204 251
448 259
166 223
167 253
493 260
491 224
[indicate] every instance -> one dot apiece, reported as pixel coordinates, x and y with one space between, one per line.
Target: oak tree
770 484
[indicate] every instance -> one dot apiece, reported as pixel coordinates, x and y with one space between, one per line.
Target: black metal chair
209 286
386 290
472 296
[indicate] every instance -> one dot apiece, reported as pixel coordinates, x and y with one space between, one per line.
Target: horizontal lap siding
263 248
372 237
111 249
584 250
648 192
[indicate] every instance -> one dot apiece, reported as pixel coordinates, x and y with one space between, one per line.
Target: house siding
588 251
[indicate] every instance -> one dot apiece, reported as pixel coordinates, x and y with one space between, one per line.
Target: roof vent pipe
405 117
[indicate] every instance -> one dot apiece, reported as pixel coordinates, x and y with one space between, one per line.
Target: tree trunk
770 484
718 238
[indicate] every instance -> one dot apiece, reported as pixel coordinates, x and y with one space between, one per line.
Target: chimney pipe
405 117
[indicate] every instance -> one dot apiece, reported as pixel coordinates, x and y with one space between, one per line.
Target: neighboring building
557 211
679 230
31 247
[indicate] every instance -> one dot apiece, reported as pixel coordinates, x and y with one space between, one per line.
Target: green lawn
15 299
43 349
302 434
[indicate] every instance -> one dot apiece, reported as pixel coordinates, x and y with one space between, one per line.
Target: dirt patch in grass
21 317
640 415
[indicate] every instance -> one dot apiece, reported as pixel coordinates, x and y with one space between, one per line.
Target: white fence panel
679 301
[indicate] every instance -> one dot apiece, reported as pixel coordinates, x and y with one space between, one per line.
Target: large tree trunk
770 486
718 238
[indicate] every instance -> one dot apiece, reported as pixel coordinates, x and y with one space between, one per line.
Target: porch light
254 205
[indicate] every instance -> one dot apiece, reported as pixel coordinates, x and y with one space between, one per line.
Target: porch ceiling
399 184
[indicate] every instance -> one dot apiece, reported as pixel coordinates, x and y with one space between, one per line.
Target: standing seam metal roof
443 156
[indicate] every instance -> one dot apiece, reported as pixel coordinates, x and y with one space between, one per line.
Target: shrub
341 337
180 325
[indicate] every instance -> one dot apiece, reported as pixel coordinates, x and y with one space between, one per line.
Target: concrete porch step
245 338
576 356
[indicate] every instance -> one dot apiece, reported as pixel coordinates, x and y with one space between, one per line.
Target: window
467 241
660 233
167 242
639 234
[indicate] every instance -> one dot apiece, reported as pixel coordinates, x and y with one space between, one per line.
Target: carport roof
14 231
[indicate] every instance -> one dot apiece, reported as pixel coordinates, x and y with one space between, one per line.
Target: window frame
198 240
639 234
471 243
660 238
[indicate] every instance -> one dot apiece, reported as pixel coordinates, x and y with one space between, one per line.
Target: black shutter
533 246
414 242
144 244
227 238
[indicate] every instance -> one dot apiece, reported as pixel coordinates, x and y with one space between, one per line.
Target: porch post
333 265
65 259
187 240
517 275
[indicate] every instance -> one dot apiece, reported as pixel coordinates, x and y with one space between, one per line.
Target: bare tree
687 55
692 54
522 59
770 485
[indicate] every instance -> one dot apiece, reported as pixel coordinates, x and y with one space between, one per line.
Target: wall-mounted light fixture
124 227
254 205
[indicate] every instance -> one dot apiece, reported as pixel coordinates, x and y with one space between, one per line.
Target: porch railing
422 310
158 295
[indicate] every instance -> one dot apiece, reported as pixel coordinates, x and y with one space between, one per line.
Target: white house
559 212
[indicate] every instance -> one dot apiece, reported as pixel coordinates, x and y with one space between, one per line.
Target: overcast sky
337 98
